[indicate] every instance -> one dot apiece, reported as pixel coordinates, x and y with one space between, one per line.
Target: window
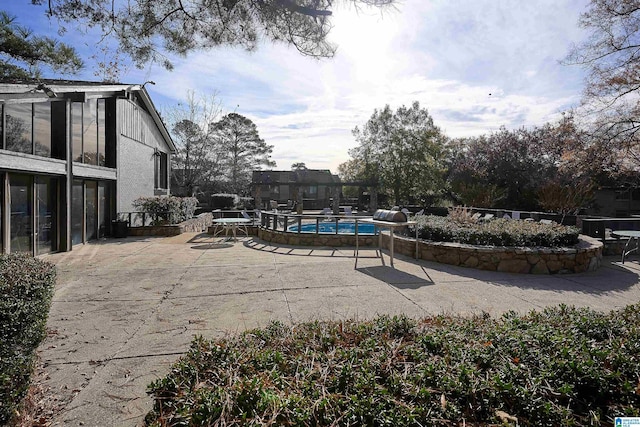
37 128
42 129
622 194
89 131
19 127
76 131
310 191
161 169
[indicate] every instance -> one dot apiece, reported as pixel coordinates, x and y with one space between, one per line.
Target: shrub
188 207
561 366
223 201
167 209
462 214
244 203
497 232
231 201
26 289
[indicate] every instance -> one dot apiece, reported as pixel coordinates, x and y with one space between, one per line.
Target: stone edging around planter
585 256
197 224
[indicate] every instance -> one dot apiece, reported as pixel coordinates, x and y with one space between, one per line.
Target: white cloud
475 65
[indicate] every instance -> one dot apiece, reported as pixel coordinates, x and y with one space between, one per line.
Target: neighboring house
314 187
72 155
617 202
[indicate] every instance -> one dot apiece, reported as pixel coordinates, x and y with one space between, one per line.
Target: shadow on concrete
610 277
396 278
201 238
307 251
214 245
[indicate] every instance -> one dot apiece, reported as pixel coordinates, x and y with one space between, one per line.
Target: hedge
26 289
497 232
231 201
562 366
167 209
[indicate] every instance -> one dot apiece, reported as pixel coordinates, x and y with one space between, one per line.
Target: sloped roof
12 88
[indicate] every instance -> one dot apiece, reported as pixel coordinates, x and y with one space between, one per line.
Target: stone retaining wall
585 256
193 225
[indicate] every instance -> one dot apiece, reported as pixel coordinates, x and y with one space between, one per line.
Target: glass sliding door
77 212
21 221
46 215
103 208
91 205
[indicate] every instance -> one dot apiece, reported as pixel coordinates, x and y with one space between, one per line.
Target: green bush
26 289
562 366
223 201
244 203
167 209
497 232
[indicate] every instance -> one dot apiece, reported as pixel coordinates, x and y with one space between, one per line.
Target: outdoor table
630 234
230 224
391 226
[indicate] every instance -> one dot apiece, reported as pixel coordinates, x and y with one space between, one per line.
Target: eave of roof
27 88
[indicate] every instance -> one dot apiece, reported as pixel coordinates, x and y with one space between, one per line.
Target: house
74 154
314 187
615 202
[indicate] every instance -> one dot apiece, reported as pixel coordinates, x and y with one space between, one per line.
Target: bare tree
196 163
612 56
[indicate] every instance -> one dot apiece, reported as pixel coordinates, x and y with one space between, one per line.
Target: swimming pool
330 228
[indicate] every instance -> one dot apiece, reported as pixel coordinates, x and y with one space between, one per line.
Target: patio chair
546 221
327 214
420 212
246 215
348 211
487 217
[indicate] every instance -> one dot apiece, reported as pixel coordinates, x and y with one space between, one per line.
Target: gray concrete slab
125 309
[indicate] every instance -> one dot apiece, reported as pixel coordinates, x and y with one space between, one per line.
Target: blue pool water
330 227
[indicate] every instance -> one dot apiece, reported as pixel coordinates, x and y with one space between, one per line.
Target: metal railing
309 224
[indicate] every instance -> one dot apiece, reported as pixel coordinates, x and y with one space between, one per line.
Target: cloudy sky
475 65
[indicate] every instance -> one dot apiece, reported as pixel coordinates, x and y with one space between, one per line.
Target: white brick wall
135 173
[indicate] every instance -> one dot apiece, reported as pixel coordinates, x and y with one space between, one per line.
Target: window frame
161 170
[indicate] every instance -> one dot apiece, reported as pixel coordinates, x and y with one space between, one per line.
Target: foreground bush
26 289
497 232
167 209
562 366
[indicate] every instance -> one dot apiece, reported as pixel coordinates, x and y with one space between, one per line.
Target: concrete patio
124 310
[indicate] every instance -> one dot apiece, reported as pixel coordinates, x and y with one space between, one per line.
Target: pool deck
125 309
